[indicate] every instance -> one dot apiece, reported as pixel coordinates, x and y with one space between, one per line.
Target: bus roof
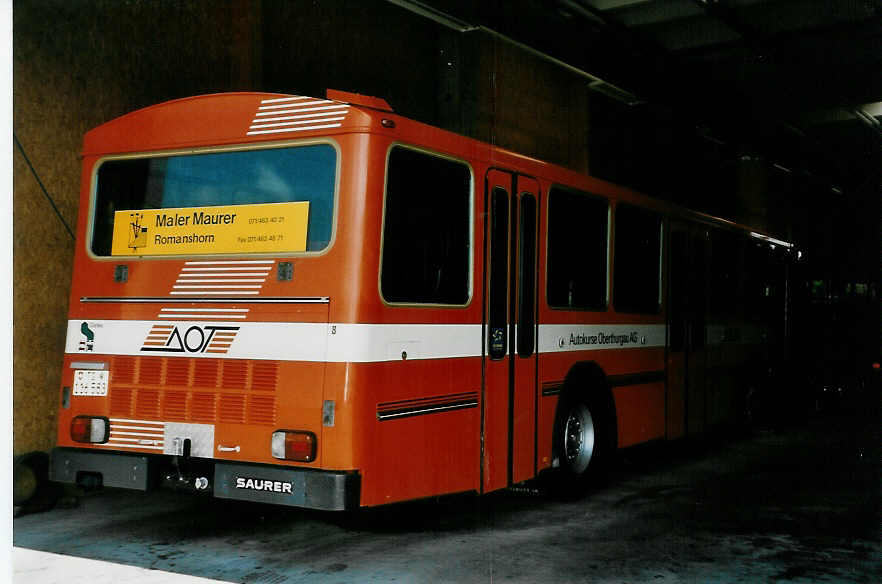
224 118
252 117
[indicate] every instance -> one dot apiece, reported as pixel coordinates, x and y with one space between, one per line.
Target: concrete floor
799 504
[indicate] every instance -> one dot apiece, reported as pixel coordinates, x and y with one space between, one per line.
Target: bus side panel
676 406
423 427
338 430
640 406
640 413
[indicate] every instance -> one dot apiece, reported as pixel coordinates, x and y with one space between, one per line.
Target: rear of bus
210 260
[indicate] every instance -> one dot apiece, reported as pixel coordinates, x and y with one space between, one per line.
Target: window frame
471 223
608 281
93 194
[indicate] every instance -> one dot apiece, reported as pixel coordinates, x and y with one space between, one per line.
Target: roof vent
359 99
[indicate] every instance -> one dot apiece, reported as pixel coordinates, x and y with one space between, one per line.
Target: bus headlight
296 445
89 429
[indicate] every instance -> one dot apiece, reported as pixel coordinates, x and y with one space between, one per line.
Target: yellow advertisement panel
264 228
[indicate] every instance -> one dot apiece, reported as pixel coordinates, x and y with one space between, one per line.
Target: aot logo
253 484
169 338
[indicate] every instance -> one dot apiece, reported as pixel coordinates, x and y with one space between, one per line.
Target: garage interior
765 112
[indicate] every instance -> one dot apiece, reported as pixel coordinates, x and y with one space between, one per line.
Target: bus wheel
579 445
578 439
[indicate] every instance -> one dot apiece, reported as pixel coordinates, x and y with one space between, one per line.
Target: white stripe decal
131 446
227 293
303 129
205 309
218 280
281 99
208 271
201 316
357 343
326 108
314 102
554 338
228 262
115 427
209 287
282 118
297 123
272 115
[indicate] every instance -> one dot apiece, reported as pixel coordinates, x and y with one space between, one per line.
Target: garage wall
77 65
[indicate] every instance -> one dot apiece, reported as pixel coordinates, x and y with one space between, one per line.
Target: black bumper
261 483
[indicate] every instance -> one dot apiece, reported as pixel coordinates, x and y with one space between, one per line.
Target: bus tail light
89 429
294 445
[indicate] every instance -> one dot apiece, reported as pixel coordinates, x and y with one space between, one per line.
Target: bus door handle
222 448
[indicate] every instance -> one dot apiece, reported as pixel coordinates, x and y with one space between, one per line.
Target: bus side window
426 230
637 260
577 250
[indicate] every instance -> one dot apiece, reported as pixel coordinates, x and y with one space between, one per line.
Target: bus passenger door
510 362
687 306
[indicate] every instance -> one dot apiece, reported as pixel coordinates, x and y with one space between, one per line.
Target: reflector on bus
89 429
294 445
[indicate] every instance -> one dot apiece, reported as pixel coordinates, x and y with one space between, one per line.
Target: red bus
320 303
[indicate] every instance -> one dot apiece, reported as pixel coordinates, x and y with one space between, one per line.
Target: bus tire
581 443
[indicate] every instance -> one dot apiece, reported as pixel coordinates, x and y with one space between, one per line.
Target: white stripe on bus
205 309
363 343
298 110
281 99
227 262
209 270
217 280
303 129
294 117
205 292
210 287
314 102
296 123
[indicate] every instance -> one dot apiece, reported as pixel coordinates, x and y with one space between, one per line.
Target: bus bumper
260 483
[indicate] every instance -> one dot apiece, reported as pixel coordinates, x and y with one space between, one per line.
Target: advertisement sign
263 228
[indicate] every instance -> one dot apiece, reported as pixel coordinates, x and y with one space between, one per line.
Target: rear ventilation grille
205 372
150 371
177 372
261 409
147 404
121 401
232 408
185 389
202 407
265 375
235 375
123 369
174 406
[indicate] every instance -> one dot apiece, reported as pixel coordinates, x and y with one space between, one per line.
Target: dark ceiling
797 82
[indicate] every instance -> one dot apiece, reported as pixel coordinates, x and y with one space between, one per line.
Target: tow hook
180 477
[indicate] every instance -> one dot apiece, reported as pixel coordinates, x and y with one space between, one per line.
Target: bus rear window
220 185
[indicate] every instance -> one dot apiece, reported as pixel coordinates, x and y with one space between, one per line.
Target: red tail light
294 445
89 429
